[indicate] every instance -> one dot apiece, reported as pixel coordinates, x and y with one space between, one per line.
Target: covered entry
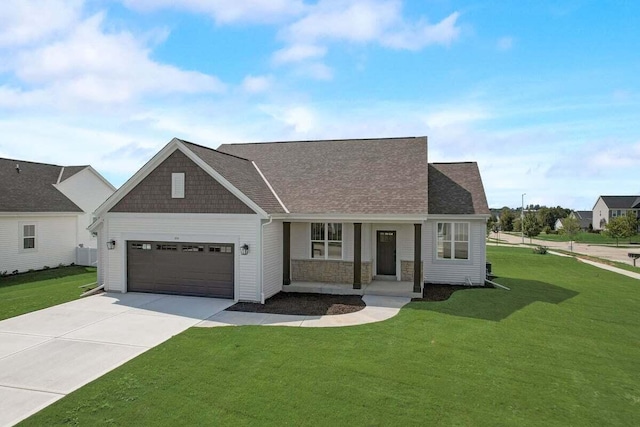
198 269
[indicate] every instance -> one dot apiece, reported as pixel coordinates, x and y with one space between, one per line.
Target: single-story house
608 207
584 217
45 211
245 221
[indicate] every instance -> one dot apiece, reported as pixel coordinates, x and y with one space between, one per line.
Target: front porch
378 258
376 287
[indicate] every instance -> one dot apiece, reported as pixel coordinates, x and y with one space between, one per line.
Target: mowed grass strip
36 290
591 238
561 348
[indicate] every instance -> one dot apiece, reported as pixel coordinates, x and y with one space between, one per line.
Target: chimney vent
17 167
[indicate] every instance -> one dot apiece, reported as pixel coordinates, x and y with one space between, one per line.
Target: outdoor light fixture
111 244
244 249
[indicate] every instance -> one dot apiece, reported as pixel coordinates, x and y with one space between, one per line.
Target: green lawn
591 238
36 290
561 348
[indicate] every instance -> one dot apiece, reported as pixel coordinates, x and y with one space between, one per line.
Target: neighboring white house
45 211
247 221
608 207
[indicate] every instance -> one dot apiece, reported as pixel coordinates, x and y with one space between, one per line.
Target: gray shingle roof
621 202
456 189
585 218
360 176
241 174
32 189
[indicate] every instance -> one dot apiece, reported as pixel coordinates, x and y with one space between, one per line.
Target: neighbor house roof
32 188
241 173
621 202
585 218
355 176
456 189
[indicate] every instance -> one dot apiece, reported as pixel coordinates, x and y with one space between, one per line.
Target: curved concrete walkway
377 309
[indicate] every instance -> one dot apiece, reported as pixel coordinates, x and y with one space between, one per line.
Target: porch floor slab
376 287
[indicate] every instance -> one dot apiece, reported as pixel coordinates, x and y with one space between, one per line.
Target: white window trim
326 241
453 241
177 185
22 237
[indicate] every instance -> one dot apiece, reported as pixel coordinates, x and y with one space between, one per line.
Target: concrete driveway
48 353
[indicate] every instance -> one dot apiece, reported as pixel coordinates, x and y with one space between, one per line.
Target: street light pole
522 218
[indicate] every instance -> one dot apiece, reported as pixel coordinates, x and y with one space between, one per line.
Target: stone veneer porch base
328 271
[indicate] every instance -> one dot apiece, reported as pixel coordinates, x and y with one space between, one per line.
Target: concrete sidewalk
49 353
377 309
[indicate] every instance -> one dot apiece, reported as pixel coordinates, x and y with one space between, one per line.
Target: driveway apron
49 353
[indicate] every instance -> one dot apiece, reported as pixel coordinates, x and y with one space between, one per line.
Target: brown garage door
200 269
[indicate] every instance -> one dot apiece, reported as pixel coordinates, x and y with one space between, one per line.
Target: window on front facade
453 240
29 236
326 240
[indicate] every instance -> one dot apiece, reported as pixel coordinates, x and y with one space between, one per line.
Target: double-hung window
326 240
28 237
453 240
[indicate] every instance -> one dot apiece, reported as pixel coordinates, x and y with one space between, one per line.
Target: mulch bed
303 304
437 292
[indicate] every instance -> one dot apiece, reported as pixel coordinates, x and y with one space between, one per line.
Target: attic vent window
177 185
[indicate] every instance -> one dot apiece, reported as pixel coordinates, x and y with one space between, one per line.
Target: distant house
585 218
608 207
45 211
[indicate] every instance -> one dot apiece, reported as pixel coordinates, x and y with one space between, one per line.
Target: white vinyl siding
454 271
600 212
177 185
87 191
272 259
206 228
55 242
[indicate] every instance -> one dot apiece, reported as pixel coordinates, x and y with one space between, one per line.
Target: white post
522 218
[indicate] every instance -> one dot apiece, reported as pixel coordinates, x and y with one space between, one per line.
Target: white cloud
27 21
89 64
363 21
227 11
256 84
298 52
299 118
419 35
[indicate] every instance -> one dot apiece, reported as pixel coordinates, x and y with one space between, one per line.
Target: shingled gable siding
203 194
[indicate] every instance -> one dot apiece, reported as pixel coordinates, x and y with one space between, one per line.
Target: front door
386 253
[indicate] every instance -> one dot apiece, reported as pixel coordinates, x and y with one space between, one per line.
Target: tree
621 227
530 225
571 227
506 219
492 224
517 225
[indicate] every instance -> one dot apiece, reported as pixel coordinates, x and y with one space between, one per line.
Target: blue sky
545 96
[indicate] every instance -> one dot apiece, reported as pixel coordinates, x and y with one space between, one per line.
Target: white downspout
262 263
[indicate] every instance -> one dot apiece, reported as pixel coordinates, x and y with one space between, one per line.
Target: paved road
47 354
607 252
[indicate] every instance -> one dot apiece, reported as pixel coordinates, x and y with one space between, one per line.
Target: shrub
546 229
46 267
540 250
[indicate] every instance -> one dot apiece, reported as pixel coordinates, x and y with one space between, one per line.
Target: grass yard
590 238
36 290
561 348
